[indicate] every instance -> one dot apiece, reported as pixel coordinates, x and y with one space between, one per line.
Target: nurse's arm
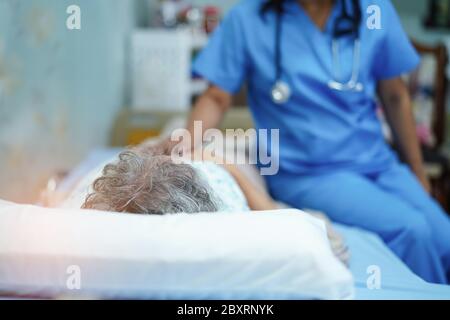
209 108
397 105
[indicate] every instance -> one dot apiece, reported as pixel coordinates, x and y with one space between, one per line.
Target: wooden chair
437 164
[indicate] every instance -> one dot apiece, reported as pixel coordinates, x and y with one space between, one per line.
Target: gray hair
150 184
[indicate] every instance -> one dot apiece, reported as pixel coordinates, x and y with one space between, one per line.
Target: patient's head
150 184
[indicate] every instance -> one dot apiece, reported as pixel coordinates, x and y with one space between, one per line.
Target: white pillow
272 255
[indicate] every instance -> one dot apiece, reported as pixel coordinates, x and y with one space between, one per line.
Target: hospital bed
370 257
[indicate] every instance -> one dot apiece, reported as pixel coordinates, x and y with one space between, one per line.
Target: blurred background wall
60 90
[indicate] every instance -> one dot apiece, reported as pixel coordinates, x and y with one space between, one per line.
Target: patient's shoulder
223 185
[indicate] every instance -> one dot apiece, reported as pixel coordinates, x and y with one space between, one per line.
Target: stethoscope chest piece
281 92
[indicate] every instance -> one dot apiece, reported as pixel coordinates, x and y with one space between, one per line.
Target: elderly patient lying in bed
145 181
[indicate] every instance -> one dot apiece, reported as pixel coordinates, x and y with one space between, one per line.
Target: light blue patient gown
333 156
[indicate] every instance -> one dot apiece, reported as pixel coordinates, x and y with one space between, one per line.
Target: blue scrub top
321 130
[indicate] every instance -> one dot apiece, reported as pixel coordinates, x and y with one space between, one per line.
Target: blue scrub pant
391 203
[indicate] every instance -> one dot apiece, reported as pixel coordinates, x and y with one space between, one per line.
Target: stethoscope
344 25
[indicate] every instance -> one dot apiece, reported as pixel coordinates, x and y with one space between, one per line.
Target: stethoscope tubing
281 90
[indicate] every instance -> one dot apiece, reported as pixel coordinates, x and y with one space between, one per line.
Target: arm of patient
257 200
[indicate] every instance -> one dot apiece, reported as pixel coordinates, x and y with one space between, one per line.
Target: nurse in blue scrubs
315 73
